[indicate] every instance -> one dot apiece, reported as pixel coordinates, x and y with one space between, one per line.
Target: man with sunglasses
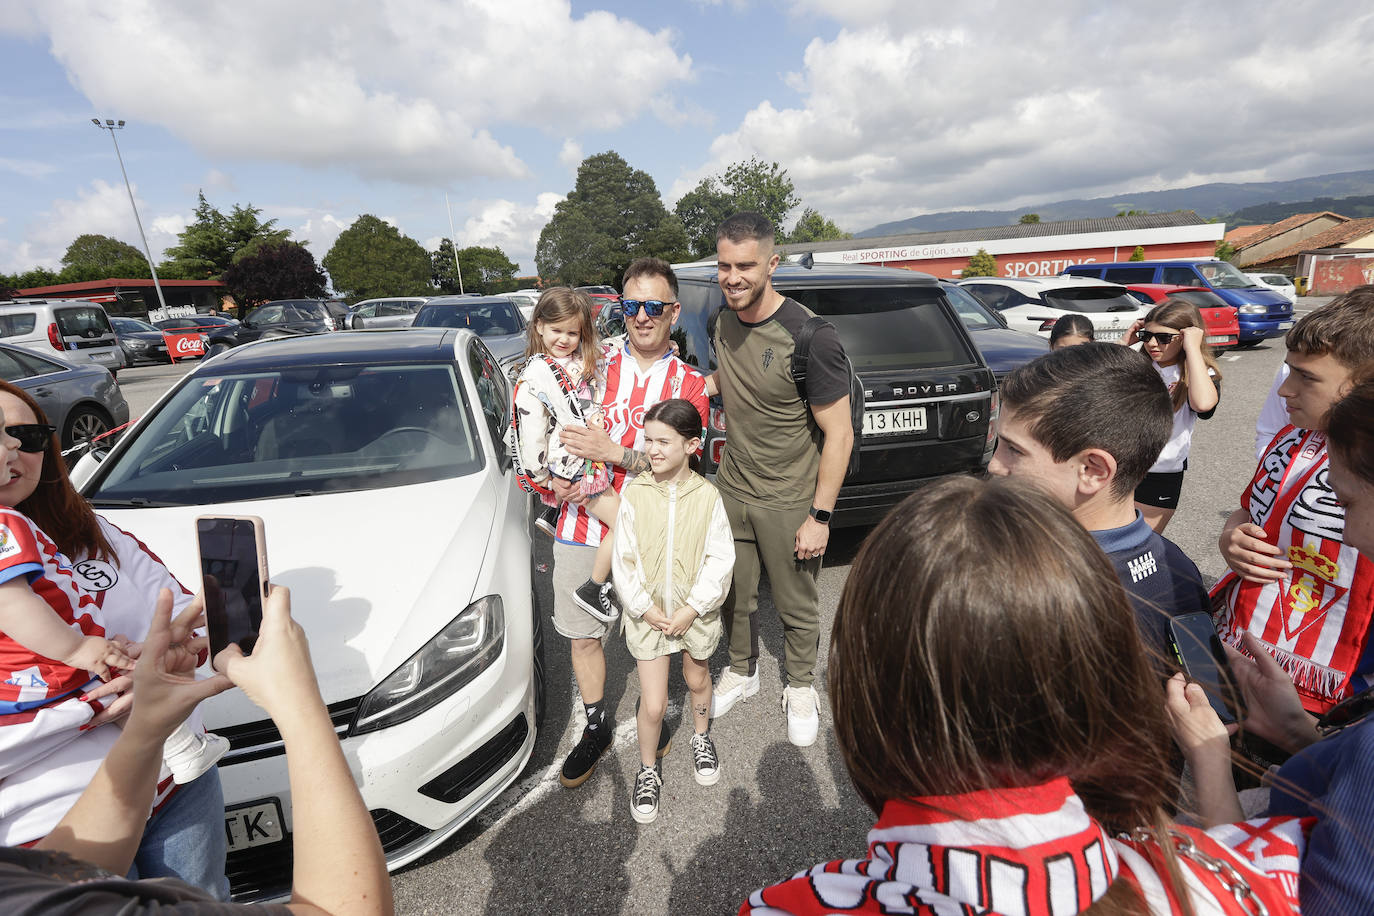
639 374
784 460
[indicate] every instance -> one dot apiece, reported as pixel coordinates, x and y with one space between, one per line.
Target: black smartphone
1199 652
233 573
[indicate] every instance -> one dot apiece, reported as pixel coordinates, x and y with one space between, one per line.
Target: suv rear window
1091 299
80 321
1129 274
15 325
897 327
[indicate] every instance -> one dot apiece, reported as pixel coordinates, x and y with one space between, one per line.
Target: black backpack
801 355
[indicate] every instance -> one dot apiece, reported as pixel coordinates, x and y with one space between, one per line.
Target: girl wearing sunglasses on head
1173 336
69 580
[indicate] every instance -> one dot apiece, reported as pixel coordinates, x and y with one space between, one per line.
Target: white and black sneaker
599 600
547 520
705 762
644 802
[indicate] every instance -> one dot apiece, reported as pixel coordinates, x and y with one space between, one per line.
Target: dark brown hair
651 267
1071 325
559 303
1179 314
55 506
747 226
1095 395
1350 429
680 415
1344 328
948 675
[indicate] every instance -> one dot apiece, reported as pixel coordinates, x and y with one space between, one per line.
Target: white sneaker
190 755
730 689
803 710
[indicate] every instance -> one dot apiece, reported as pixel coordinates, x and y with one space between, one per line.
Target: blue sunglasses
652 307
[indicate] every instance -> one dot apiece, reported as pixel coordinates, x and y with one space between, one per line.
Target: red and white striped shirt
630 391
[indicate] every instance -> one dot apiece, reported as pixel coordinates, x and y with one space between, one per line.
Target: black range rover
930 399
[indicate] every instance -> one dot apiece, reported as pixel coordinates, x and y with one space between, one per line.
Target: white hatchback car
377 462
1034 304
1279 284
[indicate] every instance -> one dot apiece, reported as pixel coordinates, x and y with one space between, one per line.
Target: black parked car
1002 348
285 317
930 403
495 319
221 333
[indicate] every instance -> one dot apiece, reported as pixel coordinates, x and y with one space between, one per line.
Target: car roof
9 303
468 300
789 275
1039 284
1165 287
392 299
391 345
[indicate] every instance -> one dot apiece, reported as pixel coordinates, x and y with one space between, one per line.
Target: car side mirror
250 325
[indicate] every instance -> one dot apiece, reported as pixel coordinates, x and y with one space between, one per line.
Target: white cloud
325 84
911 108
103 209
570 156
27 168
513 227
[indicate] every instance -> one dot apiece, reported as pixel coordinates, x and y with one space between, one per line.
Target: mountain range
1209 200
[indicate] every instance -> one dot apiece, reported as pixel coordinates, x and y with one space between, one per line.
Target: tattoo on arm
635 462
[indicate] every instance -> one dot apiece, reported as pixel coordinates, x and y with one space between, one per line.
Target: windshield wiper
134 502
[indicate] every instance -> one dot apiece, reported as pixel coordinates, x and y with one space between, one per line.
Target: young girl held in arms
673 560
1012 740
1174 336
562 384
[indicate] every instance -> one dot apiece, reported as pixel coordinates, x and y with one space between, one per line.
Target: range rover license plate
894 421
255 824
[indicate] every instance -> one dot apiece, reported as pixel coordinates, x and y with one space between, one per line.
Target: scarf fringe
1309 676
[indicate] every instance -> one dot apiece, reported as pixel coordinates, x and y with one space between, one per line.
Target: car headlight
1253 309
462 650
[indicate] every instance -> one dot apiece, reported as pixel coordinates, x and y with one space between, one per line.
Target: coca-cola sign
181 346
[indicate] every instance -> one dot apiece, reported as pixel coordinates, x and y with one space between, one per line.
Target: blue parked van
1263 313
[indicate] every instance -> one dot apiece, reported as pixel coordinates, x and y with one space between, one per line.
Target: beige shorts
572 565
647 643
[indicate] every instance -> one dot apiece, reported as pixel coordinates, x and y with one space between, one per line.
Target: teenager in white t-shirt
1173 336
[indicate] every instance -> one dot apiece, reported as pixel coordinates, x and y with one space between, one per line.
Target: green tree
207 246
275 270
1029 218
485 270
1138 254
981 264
753 185
95 257
612 215
813 227
1131 212
37 276
1225 250
372 258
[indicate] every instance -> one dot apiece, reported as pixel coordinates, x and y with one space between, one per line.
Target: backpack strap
711 328
801 352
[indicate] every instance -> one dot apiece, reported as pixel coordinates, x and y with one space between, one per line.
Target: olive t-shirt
772 443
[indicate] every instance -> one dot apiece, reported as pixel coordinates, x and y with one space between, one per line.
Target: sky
479 111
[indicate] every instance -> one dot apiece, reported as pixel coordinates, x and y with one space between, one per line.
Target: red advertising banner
184 346
1331 278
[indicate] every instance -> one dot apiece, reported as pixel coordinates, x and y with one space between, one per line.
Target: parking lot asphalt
541 848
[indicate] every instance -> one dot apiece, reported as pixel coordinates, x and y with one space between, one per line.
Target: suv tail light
1047 324
993 414
54 337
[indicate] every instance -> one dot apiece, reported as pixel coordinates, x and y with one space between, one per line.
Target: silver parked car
82 400
78 330
393 312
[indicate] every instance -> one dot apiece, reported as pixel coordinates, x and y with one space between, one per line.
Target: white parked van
77 330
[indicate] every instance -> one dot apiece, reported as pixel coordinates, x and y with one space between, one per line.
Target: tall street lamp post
113 126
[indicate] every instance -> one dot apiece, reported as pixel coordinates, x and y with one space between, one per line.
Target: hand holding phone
233 569
1199 653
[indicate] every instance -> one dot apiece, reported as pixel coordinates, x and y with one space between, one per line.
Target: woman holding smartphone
45 764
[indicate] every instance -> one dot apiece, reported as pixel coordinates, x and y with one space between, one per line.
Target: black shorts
1160 490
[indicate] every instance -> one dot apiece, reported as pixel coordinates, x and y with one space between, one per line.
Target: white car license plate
1107 335
103 357
1285 325
1218 338
894 421
252 825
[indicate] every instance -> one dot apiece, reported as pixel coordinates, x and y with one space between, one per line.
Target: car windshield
487 319
1091 299
296 432
970 311
1223 275
898 327
129 325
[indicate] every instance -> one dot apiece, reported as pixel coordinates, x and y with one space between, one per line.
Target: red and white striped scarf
1315 620
1031 851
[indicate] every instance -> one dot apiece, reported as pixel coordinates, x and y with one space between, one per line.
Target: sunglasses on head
652 307
1163 338
33 437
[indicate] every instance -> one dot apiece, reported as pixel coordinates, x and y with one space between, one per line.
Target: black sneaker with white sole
599 600
644 801
547 520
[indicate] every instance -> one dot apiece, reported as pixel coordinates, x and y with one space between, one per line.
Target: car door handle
42 391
